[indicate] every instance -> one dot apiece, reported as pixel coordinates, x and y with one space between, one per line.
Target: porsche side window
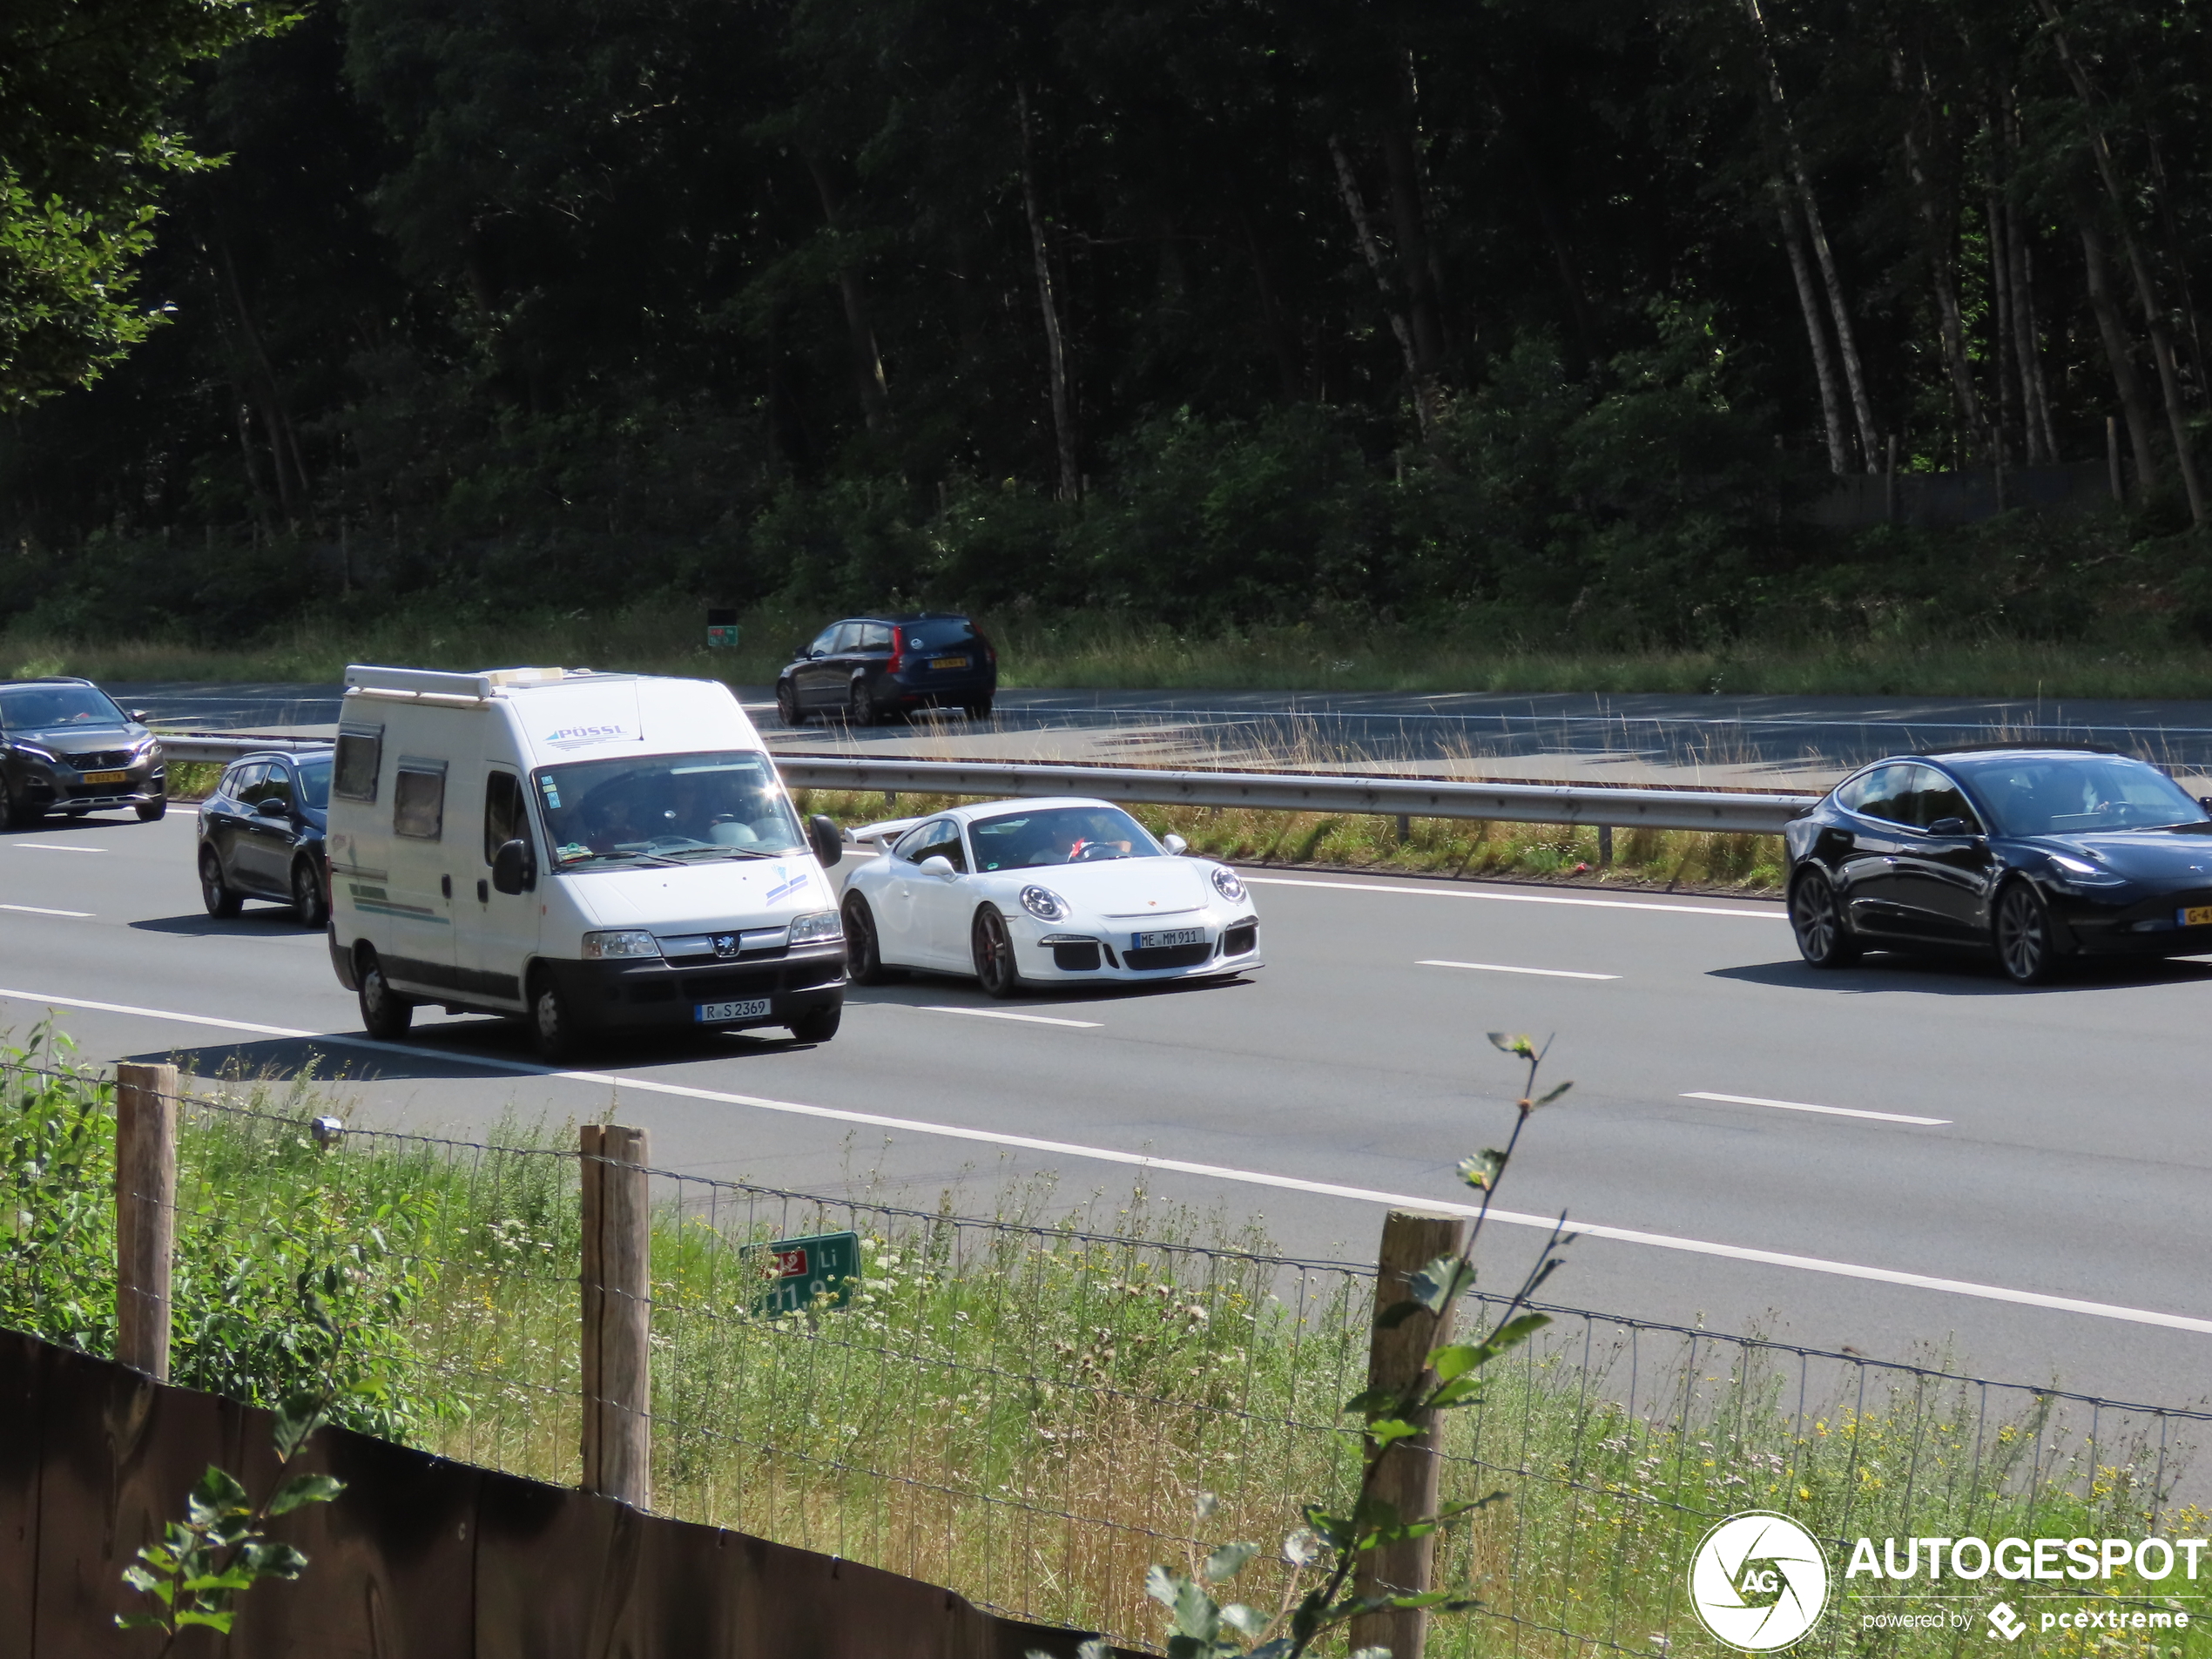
908 846
945 844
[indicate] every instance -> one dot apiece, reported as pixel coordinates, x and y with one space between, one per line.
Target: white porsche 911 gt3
1035 892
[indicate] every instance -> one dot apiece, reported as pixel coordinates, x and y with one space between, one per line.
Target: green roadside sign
816 1272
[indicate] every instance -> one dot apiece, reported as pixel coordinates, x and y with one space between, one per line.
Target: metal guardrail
1617 805
221 748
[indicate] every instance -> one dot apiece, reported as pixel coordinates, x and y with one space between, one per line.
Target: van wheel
220 898
864 945
819 1026
307 901
553 1032
386 1014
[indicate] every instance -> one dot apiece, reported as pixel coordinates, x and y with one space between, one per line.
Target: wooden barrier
145 1213
617 1282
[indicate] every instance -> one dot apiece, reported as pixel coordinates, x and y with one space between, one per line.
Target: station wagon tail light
815 928
627 943
900 640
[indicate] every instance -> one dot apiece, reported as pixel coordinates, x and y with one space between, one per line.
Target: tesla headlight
627 943
2076 867
1226 884
814 928
1044 904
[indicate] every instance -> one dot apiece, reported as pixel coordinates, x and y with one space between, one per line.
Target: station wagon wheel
308 902
220 898
863 945
1823 938
860 706
993 952
2025 948
787 709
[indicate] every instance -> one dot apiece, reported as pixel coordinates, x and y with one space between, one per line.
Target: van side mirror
513 868
1175 845
829 845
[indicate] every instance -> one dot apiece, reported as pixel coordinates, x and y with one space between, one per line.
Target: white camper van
592 852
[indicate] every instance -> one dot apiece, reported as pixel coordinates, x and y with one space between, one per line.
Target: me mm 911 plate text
1177 936
755 1008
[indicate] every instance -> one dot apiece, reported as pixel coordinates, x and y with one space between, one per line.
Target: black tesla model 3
2039 855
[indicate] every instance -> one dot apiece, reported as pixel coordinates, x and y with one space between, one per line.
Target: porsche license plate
753 1008
1157 941
948 662
107 777
2197 915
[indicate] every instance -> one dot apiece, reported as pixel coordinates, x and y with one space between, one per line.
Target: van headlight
1226 884
816 928
627 942
1044 904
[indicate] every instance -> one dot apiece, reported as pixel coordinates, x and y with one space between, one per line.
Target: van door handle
483 892
445 886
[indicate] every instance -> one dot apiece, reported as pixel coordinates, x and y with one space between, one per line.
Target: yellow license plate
118 777
948 662
2198 915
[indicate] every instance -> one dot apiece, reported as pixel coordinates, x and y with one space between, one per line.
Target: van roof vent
440 684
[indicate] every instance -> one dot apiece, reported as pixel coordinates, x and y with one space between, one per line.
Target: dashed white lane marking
53 846
41 910
1832 1111
1499 967
1774 914
1178 1166
1002 1014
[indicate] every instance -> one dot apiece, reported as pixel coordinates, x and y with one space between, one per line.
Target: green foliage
58 1204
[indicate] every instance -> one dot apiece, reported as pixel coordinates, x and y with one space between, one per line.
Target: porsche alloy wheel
993 951
863 946
2025 948
1823 938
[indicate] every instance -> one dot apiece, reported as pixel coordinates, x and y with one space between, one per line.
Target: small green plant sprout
1320 1596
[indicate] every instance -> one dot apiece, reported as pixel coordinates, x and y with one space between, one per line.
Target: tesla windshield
667 809
1059 835
28 708
2077 793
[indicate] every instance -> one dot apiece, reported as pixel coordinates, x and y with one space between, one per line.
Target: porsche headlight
1226 884
627 943
813 929
1044 904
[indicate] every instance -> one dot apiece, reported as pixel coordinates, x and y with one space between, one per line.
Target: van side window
419 799
361 753
504 819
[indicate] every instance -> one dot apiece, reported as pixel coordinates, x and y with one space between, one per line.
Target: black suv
261 835
65 747
865 668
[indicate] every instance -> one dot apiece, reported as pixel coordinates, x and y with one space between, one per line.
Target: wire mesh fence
1024 1405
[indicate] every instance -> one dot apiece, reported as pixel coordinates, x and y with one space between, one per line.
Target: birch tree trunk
2120 352
1831 412
1063 430
1950 326
867 358
1996 228
1370 249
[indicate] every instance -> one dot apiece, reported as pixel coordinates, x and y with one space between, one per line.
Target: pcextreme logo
1759 1582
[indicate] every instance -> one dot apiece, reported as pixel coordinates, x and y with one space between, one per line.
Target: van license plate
107 777
948 662
755 1008
1155 941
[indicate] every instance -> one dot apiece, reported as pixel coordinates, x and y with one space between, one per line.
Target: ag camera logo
1758 1581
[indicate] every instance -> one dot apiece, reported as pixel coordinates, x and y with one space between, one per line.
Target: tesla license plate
754 1008
948 662
106 777
1156 941
2199 915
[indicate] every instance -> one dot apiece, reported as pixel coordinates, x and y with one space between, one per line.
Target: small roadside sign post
721 629
817 1273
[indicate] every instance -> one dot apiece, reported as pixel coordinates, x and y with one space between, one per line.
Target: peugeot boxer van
591 852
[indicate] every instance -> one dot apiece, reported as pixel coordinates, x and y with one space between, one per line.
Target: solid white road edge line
1774 914
41 910
1178 1166
1832 1111
1498 967
1001 1013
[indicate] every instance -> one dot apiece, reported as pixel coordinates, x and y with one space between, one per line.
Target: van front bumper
631 996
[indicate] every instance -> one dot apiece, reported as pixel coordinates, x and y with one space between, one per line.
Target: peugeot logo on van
725 946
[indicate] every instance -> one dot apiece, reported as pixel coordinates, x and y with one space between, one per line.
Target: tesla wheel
151 810
859 705
386 1014
993 951
553 1032
307 901
2025 948
787 709
863 946
1823 938
221 898
819 1026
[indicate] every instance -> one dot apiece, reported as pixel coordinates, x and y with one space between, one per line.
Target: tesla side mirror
829 846
272 809
513 869
1175 844
2205 801
939 865
1950 827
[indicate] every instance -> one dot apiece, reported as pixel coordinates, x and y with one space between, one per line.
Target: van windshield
666 809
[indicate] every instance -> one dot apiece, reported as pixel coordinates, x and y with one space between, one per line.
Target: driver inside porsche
1059 835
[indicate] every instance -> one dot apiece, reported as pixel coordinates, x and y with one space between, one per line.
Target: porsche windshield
666 809
2076 794
1059 835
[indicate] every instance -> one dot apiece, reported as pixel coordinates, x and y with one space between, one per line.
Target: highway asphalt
1912 1160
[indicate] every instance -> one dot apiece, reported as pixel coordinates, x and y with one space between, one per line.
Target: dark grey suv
65 747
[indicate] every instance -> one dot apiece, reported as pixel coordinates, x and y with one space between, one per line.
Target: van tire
821 1025
552 1022
386 1014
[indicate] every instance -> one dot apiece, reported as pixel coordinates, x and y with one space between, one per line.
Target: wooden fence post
145 1213
1408 1478
617 1314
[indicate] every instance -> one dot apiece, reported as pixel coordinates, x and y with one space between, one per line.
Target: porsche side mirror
1175 845
513 868
829 845
1950 827
938 865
